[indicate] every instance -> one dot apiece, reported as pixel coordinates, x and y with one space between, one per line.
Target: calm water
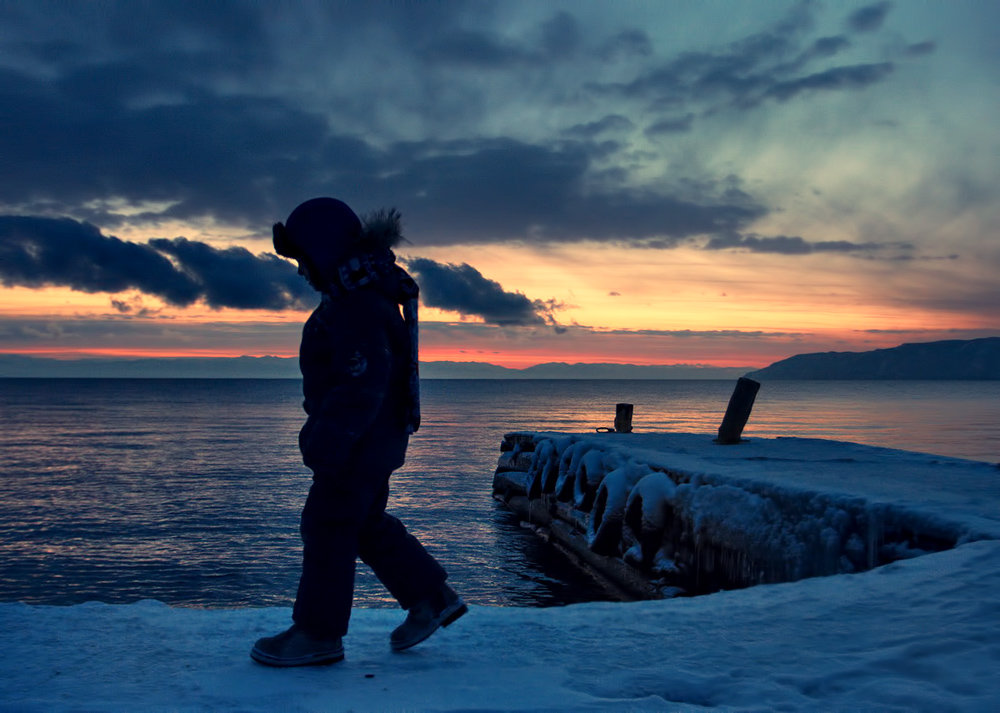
189 491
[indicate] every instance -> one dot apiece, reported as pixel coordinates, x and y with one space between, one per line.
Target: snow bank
918 635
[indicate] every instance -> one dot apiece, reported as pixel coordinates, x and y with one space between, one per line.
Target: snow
954 493
920 634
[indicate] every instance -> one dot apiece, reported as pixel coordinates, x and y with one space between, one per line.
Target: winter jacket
355 357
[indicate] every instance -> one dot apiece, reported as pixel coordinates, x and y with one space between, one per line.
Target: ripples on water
189 491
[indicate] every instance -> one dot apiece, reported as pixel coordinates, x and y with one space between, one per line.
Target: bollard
623 418
738 411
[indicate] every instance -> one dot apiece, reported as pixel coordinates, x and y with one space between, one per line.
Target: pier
659 515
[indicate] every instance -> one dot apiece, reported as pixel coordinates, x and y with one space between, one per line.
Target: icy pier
660 515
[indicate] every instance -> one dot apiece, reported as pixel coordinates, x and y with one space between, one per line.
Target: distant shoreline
954 360
946 360
270 367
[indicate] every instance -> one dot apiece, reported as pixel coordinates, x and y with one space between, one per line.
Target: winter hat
351 255
323 231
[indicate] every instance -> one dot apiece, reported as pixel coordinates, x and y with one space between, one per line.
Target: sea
188 491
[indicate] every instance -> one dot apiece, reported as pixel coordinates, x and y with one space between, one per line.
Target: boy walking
359 376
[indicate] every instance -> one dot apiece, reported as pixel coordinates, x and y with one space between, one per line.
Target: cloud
137 333
248 160
626 43
827 47
695 333
462 288
225 115
920 49
609 123
674 125
36 252
132 306
235 277
581 343
475 48
216 116
499 190
854 76
777 64
795 245
561 36
557 38
869 18
231 158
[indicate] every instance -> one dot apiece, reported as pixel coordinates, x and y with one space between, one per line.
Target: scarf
379 269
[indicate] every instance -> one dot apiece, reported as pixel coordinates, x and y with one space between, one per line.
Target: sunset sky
712 182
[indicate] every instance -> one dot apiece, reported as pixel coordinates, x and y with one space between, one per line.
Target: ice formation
662 514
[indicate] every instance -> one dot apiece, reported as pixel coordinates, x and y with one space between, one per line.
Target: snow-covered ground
920 634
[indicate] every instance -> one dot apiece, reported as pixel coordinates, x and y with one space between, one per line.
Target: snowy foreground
920 634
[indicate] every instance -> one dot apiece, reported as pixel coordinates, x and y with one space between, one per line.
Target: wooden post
738 411
623 418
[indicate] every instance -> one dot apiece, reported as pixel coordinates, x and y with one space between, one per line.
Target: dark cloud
558 38
473 48
144 333
828 46
37 252
132 306
795 245
627 43
869 18
778 63
919 49
675 125
189 122
473 192
693 333
739 69
611 122
462 288
232 158
247 161
854 76
235 277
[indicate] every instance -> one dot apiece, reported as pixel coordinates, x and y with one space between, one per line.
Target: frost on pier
658 515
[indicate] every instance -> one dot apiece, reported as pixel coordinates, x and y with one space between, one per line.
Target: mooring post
738 411
623 418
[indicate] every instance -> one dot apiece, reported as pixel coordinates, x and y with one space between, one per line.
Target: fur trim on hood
381 229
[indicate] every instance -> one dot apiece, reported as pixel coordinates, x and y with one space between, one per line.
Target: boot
424 618
295 647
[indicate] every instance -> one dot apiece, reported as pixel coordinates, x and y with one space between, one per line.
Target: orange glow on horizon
139 353
619 306
531 357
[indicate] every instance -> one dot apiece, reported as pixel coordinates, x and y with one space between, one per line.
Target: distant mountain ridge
949 359
562 370
272 367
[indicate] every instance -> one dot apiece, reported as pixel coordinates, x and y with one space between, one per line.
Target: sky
710 182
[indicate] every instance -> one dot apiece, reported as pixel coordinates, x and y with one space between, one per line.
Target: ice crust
703 517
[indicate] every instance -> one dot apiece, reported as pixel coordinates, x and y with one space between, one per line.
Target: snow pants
344 518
